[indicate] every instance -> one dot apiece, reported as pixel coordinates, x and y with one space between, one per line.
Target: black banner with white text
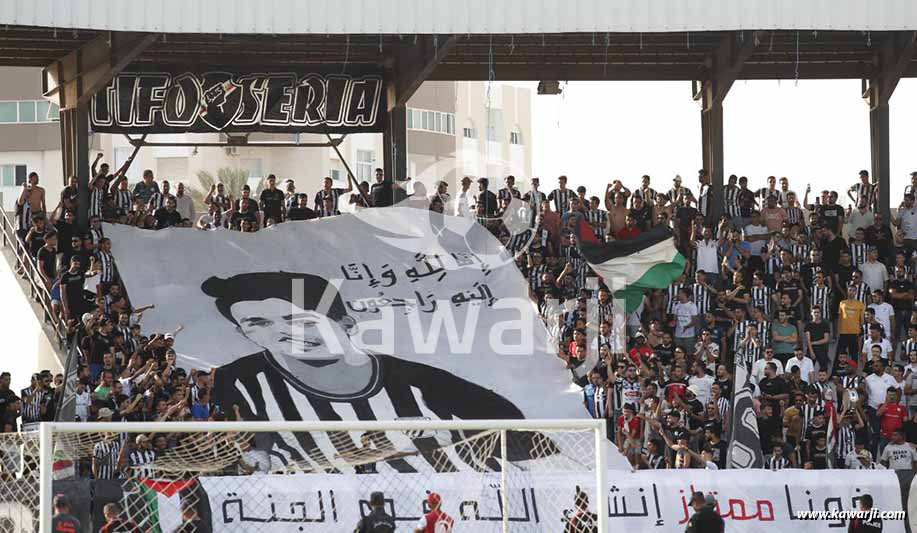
207 102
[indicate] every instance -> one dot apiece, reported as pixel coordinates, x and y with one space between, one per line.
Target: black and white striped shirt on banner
702 298
141 463
794 215
519 242
597 218
776 463
561 200
821 298
761 298
105 454
96 201
107 266
857 253
731 195
672 297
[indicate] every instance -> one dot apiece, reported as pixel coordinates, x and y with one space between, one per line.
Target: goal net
277 477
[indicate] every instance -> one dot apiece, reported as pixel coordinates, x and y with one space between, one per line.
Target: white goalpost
489 475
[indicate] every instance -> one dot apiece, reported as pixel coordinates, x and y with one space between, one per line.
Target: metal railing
26 266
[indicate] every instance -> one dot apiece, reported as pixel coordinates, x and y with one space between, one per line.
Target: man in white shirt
907 221
877 385
885 313
805 364
862 217
899 455
707 256
875 274
702 382
463 200
757 371
183 203
756 234
686 319
875 339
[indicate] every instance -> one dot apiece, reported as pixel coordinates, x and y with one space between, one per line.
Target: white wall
50 171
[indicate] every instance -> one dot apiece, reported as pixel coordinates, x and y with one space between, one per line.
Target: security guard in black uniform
705 519
377 521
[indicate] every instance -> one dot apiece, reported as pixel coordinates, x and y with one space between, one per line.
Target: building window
432 121
469 132
335 174
515 137
28 112
365 159
12 175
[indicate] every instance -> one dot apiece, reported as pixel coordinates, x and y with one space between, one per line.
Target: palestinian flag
630 267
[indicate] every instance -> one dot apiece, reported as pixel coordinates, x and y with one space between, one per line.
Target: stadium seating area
815 300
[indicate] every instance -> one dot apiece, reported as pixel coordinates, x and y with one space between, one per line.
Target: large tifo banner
387 314
207 102
749 501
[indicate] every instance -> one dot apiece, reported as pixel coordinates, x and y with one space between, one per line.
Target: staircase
25 272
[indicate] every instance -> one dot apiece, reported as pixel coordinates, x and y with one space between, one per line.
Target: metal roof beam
73 79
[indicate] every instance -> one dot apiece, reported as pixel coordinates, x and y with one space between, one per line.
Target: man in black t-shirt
47 259
773 388
716 446
301 210
167 216
63 521
272 201
73 301
830 214
902 297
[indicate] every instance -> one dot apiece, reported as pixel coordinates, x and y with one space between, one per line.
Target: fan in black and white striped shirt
105 454
731 197
776 461
561 196
761 295
820 296
858 249
672 296
106 262
703 294
158 199
97 196
863 191
597 218
141 458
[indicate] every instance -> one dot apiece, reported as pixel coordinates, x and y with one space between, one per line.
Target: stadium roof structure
84 44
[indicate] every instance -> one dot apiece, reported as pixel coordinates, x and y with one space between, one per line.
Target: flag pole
350 177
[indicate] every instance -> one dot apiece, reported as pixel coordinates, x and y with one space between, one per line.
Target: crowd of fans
816 301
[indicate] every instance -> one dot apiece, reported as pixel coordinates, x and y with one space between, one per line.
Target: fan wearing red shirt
891 413
628 440
630 229
676 385
435 521
640 350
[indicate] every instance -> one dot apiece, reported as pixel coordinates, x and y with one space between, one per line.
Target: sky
812 132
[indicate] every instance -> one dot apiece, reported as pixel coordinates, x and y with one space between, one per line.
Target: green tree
232 179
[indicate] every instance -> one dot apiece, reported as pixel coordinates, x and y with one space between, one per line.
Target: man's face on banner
284 329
